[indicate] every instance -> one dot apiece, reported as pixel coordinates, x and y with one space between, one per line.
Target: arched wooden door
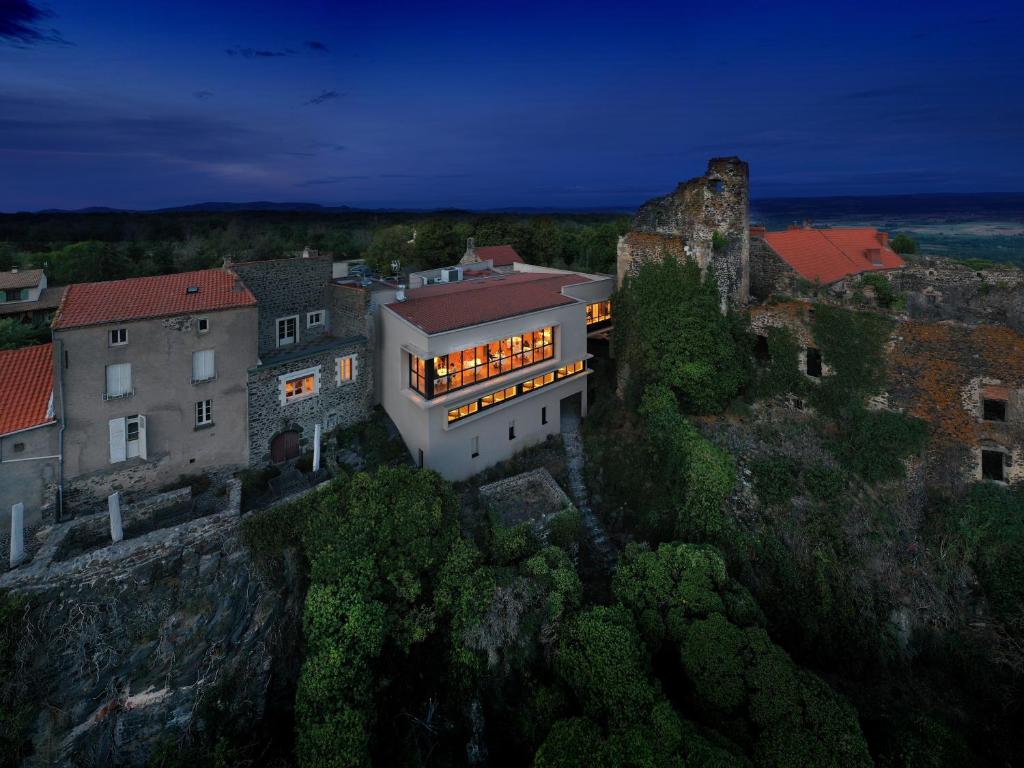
284 447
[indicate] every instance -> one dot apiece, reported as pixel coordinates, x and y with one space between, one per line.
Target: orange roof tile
827 255
500 255
446 307
142 297
26 383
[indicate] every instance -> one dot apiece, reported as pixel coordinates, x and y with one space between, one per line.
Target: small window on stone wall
19 447
932 299
716 186
993 410
814 362
992 466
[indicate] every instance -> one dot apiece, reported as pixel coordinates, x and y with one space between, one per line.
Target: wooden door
284 447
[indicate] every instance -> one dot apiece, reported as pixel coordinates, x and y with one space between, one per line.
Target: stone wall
940 289
336 405
688 219
350 311
769 274
286 287
122 648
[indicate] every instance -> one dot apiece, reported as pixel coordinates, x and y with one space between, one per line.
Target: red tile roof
139 298
445 307
827 255
500 255
26 382
23 278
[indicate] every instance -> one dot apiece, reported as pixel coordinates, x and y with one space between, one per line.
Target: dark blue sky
156 103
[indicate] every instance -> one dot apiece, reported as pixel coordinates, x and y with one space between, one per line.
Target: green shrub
823 482
781 375
564 528
853 345
873 444
775 480
903 244
512 543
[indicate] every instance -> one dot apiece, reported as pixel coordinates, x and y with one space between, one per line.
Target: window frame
199 323
295 338
204 413
319 323
122 332
285 378
353 361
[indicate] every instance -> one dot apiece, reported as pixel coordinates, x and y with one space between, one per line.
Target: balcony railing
120 396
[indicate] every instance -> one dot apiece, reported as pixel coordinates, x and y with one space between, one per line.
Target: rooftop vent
400 292
192 289
451 275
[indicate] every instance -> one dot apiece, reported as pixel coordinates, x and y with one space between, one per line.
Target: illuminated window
418 374
347 369
599 312
486 361
462 411
499 396
299 385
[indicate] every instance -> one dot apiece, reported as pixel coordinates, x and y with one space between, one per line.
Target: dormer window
287 330
118 337
314 319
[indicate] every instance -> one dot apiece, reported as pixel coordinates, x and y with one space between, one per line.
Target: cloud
202 95
329 145
20 24
324 96
329 180
258 53
316 45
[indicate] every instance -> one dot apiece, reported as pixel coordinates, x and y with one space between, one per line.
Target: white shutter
355 367
119 379
142 437
118 448
203 365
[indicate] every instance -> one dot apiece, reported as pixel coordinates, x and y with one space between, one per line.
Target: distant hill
883 209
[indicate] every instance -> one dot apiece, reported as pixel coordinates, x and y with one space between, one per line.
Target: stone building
941 289
314 365
149 379
827 257
705 219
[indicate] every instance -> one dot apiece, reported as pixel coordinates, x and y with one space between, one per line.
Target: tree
436 243
14 334
670 330
903 244
88 261
389 244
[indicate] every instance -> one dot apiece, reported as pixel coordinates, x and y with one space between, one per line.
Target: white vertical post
316 449
114 504
17 534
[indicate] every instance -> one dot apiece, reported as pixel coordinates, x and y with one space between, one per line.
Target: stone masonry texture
686 222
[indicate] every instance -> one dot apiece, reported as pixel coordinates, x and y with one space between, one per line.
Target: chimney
470 249
400 292
808 224
883 238
756 230
14 270
305 252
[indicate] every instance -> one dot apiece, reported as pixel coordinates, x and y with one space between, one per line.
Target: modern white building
476 365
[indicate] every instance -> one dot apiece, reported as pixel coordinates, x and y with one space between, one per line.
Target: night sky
143 104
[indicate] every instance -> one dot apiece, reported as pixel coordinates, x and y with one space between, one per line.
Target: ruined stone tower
705 219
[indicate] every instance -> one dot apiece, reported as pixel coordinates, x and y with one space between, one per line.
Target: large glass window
468 366
501 395
598 312
418 374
